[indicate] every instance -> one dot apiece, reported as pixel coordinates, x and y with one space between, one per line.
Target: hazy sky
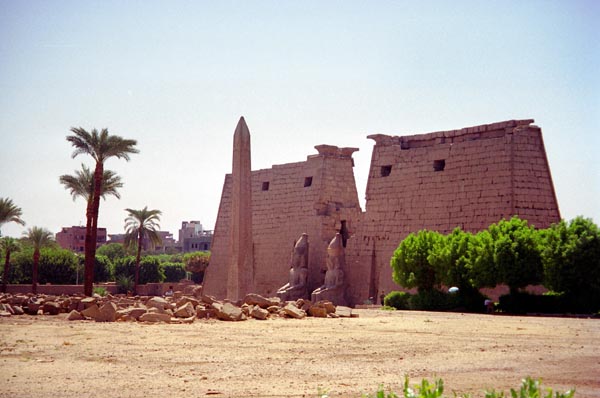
177 75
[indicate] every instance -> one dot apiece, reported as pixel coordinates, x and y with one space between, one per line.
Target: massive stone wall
317 197
468 178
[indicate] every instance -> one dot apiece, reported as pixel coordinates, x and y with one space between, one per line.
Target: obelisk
240 278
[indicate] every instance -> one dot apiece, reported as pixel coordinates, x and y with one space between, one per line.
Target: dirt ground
50 357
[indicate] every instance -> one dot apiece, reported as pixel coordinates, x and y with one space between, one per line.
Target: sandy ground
50 357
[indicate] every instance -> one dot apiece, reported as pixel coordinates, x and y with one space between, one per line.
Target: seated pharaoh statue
296 287
333 287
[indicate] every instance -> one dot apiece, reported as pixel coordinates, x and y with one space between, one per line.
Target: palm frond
9 212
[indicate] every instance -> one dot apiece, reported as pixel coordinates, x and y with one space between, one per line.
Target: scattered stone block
185 311
155 317
51 308
75 315
259 313
294 312
91 312
108 312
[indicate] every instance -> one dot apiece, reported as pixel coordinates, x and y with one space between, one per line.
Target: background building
192 237
73 238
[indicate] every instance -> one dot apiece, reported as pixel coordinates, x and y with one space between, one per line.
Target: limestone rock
228 312
259 313
317 312
132 312
18 310
155 317
294 312
33 306
51 308
75 316
108 312
185 311
158 302
88 301
343 312
263 302
4 314
203 312
91 312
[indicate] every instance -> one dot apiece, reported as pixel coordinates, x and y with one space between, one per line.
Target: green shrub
101 291
433 300
151 270
124 266
529 388
174 272
124 284
398 300
102 269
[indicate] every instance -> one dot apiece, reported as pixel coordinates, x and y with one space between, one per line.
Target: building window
438 165
386 170
307 181
265 186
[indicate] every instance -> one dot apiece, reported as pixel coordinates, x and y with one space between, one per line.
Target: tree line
90 186
565 258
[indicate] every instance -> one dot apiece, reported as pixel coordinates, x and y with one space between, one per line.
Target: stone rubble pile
182 307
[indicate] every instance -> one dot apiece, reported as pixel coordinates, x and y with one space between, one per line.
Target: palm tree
100 146
8 245
9 212
82 184
138 225
38 237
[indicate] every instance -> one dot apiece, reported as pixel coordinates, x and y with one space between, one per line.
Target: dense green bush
151 270
113 251
124 267
102 269
433 300
571 259
398 300
411 262
57 266
174 272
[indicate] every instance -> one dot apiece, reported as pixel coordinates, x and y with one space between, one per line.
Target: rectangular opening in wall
438 165
307 181
386 170
265 186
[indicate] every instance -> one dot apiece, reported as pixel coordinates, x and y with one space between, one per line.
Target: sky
177 75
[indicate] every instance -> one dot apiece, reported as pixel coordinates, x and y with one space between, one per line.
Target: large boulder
228 312
343 312
263 302
108 312
317 312
185 311
159 302
75 316
51 308
132 312
294 312
91 312
155 317
259 313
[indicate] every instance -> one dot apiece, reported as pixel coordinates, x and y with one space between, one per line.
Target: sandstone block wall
316 196
468 178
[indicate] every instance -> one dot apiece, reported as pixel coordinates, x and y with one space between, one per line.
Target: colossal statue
333 286
296 287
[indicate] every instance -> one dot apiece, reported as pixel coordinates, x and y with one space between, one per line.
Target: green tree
481 254
38 237
141 224
100 146
516 253
8 245
57 266
411 262
450 257
113 251
9 212
571 260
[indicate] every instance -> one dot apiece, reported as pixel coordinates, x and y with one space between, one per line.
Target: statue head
300 252
335 252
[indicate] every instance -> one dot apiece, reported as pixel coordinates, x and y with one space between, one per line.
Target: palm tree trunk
137 263
91 233
34 276
5 276
88 282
